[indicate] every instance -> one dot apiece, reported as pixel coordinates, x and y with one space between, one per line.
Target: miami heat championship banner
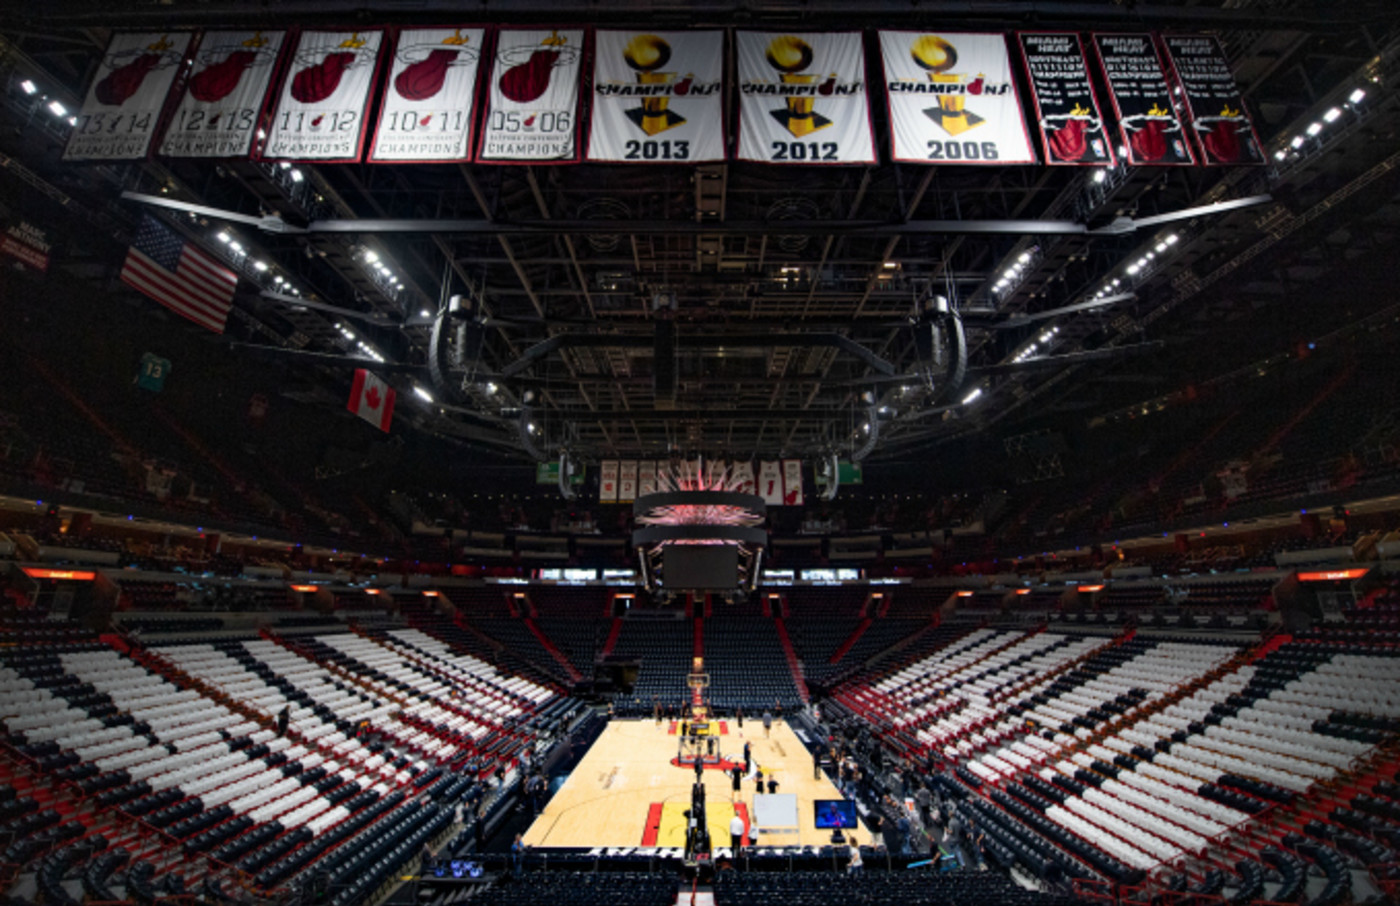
792 482
607 481
532 105
121 112
429 98
803 99
743 478
323 101
657 96
1213 101
1071 125
227 90
646 477
1150 130
952 99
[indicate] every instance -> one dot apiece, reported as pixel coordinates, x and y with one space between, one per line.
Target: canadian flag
372 399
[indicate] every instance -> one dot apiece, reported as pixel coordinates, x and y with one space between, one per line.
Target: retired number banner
324 97
792 482
803 98
744 481
122 109
657 96
627 482
952 99
646 477
1213 101
1071 125
532 106
607 481
1150 129
770 482
225 94
429 97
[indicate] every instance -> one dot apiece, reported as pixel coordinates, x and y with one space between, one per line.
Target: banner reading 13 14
324 97
1070 122
218 113
532 106
657 96
429 96
122 108
952 99
803 98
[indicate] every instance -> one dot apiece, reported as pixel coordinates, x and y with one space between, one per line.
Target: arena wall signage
428 102
802 98
228 88
532 113
121 112
323 101
1213 102
657 97
1149 125
1067 112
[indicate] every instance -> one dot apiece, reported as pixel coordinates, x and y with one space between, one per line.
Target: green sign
154 370
847 472
548 473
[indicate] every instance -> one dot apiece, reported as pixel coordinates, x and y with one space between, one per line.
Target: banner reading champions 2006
532 105
324 97
429 96
657 96
218 112
803 98
122 109
952 99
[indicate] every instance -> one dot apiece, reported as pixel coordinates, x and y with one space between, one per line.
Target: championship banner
627 482
792 482
657 96
122 109
607 481
429 97
646 478
1071 125
227 90
1151 132
532 106
802 98
743 478
1213 101
952 99
770 482
323 101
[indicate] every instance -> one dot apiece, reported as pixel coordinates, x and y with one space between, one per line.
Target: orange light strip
304 588
1334 575
431 594
964 594
1091 588
371 591
71 575
1023 591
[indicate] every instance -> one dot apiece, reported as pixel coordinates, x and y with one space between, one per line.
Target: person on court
748 757
758 781
736 775
767 723
736 831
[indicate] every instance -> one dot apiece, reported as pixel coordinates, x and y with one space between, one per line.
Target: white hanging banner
743 476
430 97
607 481
792 482
770 482
952 99
323 102
803 99
532 104
657 96
646 478
225 94
627 482
122 108
1071 125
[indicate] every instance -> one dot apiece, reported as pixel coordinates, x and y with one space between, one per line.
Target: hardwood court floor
606 800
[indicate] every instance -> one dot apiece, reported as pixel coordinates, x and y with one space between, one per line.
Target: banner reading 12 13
429 96
532 105
218 113
1070 122
324 97
122 108
803 98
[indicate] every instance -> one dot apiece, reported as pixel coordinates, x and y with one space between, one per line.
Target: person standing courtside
748 757
767 723
736 832
737 776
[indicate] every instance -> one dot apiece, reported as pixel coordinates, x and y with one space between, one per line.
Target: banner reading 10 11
428 107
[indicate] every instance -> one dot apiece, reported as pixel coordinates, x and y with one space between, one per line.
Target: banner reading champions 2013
802 98
952 99
657 96
429 96
122 108
532 104
324 97
218 113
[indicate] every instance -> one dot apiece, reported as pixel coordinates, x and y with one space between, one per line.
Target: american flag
179 276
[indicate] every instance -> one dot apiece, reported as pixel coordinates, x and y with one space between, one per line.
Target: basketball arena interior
424 481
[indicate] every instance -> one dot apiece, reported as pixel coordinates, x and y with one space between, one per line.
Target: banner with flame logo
607 481
121 112
1149 125
532 108
803 98
1213 102
323 102
657 97
1071 125
430 97
227 90
770 482
952 99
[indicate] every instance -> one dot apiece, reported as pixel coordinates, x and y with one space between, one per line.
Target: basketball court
627 790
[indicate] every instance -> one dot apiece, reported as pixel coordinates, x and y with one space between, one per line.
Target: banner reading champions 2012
657 96
429 97
952 99
532 104
324 97
122 108
802 98
218 112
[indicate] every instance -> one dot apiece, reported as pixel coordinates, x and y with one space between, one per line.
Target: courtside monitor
835 814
